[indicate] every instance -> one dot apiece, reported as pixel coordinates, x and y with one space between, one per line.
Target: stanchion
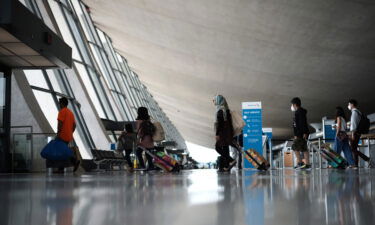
320 158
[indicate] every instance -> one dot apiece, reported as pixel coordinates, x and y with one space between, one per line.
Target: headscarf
221 104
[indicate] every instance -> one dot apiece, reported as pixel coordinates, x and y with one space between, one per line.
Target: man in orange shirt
66 126
66 122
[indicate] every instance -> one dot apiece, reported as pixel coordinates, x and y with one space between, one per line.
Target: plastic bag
57 150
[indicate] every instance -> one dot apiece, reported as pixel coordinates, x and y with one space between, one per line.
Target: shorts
300 145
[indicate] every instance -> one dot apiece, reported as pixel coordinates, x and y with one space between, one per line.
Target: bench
108 158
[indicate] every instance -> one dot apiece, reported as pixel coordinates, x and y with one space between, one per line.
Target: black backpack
364 124
147 128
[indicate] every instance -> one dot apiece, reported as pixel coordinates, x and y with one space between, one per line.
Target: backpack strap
359 112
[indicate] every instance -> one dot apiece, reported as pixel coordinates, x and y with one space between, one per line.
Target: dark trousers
148 157
223 151
127 157
354 145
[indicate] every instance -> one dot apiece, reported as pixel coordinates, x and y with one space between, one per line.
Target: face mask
292 108
349 107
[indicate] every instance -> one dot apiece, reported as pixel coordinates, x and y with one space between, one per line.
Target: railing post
320 157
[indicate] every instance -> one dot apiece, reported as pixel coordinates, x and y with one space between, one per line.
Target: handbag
159 134
57 150
342 136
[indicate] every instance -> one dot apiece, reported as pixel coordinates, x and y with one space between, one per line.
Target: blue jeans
343 145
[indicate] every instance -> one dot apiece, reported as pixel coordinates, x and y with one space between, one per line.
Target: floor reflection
191 197
310 197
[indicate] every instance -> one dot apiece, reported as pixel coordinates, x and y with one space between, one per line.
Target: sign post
252 132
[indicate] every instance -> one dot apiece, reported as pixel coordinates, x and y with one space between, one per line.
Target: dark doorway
5 97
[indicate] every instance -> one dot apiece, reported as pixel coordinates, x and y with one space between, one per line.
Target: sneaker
231 164
223 170
299 165
305 167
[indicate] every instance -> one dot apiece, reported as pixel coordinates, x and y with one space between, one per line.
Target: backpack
126 142
364 124
147 128
159 134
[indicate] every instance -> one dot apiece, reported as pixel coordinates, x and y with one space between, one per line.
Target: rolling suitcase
333 158
257 160
164 161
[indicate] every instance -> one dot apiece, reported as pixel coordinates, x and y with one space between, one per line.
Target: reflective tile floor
191 197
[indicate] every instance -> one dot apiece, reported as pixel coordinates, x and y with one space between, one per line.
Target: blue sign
252 132
329 132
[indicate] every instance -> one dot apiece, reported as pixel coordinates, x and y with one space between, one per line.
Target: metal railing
314 147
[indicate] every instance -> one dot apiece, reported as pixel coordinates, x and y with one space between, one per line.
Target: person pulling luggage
359 124
145 132
341 139
224 133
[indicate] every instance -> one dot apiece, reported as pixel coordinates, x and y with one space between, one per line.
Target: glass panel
127 108
64 29
102 67
77 36
117 80
90 89
46 18
55 80
21 155
119 103
82 19
48 106
101 94
36 78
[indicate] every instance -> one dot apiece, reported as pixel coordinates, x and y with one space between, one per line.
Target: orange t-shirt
67 118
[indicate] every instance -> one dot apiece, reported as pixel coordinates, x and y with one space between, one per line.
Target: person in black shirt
224 133
301 133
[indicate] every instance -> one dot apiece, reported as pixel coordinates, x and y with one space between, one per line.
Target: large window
84 62
47 91
114 90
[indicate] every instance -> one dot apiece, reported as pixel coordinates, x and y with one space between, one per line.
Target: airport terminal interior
258 112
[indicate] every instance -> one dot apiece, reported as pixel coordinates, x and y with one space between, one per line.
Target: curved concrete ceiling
268 50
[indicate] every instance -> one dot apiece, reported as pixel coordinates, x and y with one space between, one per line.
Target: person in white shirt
355 136
341 139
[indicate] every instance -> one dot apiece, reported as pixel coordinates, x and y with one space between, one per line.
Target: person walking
145 131
223 133
342 139
301 133
355 132
66 125
126 142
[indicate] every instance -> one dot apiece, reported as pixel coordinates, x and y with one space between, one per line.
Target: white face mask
349 107
292 108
